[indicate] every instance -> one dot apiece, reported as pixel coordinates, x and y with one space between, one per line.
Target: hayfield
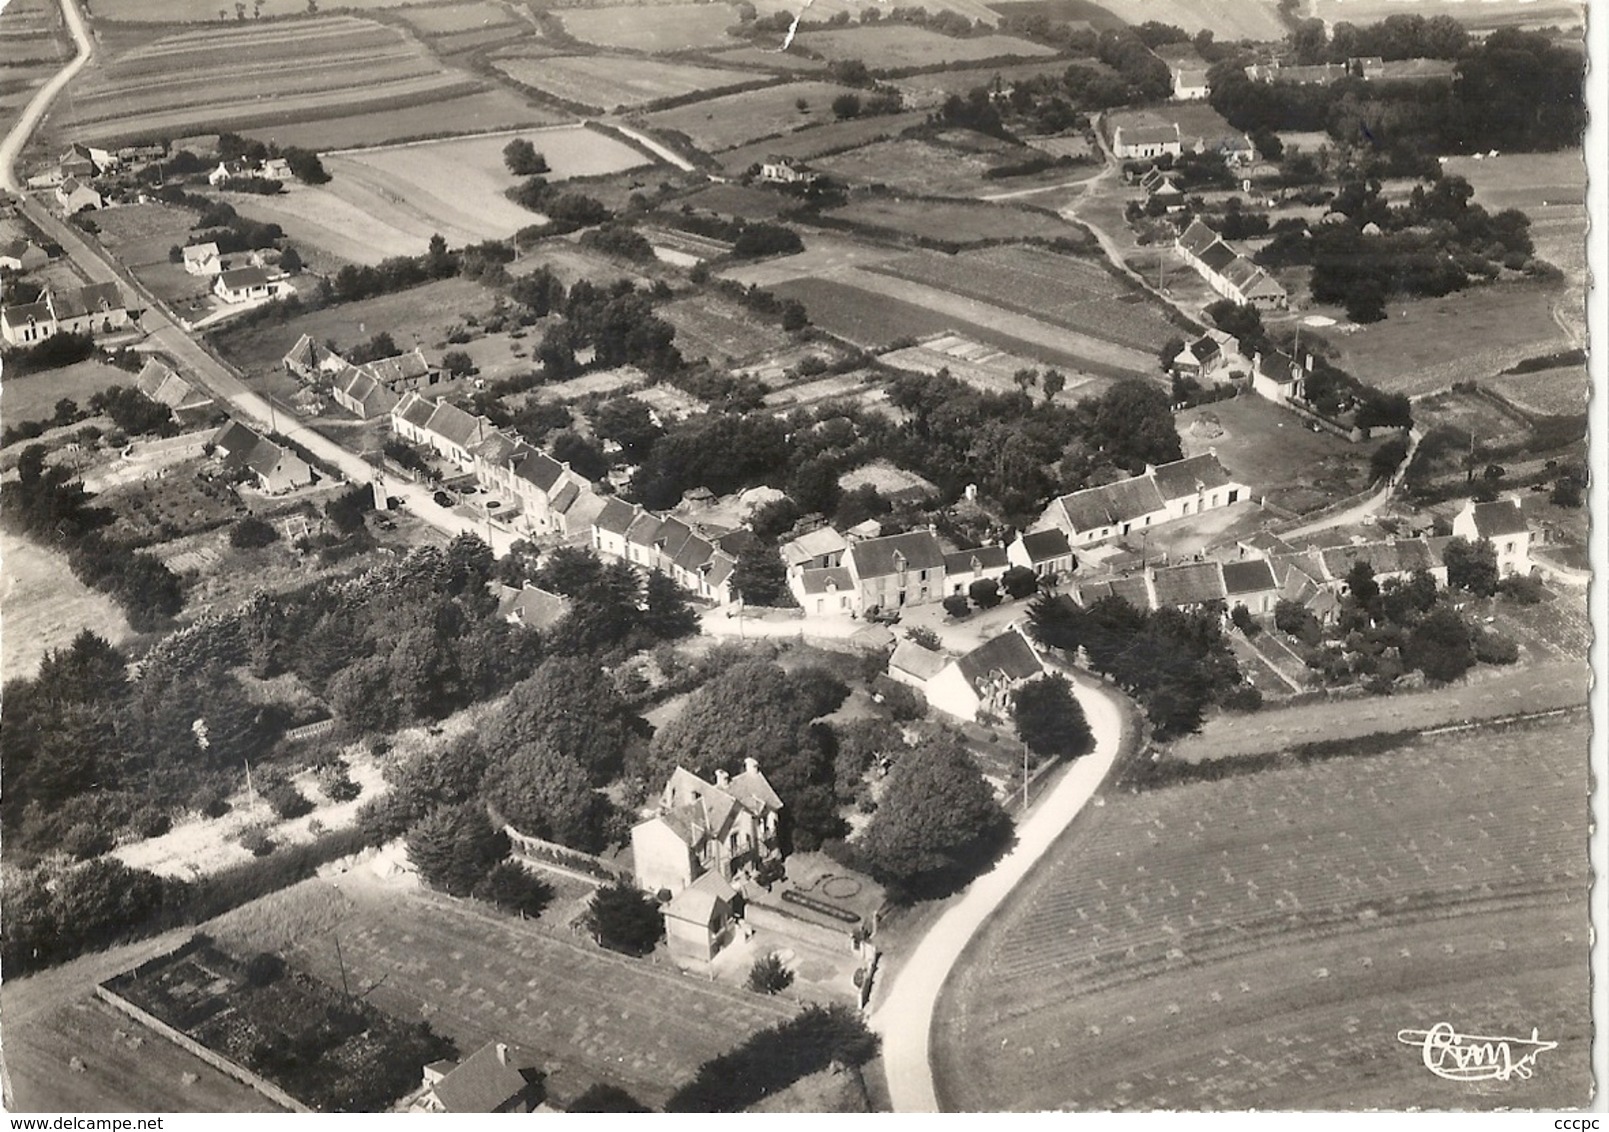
1551 392
208 12
253 75
960 80
1227 19
711 327
1427 344
1062 290
652 28
34 397
36 47
736 119
1471 415
888 47
955 222
829 137
391 200
615 83
1258 942
480 111
953 165
476 976
825 9
457 19
46 607
1486 14
140 234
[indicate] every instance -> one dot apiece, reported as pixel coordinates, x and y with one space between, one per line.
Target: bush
286 801
263 969
149 821
1522 589
927 638
1495 648
513 888
956 605
255 840
1243 698
252 532
1242 619
903 702
985 593
773 1059
622 918
83 841
211 803
1020 582
769 976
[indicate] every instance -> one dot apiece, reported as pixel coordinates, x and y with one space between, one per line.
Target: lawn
34 397
891 46
250 75
610 82
46 606
732 120
477 976
1427 344
138 234
653 27
1063 290
713 328
390 200
1258 942
1268 449
955 222
420 314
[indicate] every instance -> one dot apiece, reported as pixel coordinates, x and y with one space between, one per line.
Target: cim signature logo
1475 1057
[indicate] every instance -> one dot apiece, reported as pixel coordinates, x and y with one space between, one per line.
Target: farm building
984 681
96 308
83 162
1047 553
403 372
359 393
75 196
1228 272
784 170
22 255
1131 143
725 827
277 169
1171 491
274 468
497 1077
203 259
162 385
1502 524
310 361
896 570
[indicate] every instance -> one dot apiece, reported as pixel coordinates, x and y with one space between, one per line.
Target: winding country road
904 1018
24 127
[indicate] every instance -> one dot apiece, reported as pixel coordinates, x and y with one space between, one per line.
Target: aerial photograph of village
795 556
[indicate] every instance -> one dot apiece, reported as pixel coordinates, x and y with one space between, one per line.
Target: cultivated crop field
956 222
477 976
36 47
710 327
1062 290
888 47
1552 392
960 80
458 19
652 28
253 75
931 168
475 111
1228 19
736 119
825 9
207 12
829 137
612 82
1486 14
1259 941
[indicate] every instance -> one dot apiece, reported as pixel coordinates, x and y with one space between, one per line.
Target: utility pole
1025 777
341 962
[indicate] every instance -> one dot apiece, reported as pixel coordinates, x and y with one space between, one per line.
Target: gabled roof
267 457
414 409
1249 577
455 425
236 442
1504 517
494 448
1044 546
488 1079
616 517
309 354
584 508
20 316
881 557
673 535
644 529
1130 589
1217 256
826 579
693 554
564 496
1008 655
1267 542
530 606
813 544
706 901
1111 504
200 253
236 278
401 367
979 558
93 298
912 658
165 387
1188 584
753 790
1197 237
1191 475
536 468
720 569
1148 135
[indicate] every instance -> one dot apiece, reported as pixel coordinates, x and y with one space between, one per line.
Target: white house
984 680
243 285
724 827
1227 271
1131 143
1503 525
1170 491
784 170
203 259
74 196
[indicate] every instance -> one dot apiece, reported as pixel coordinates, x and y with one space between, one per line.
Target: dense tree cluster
776 1057
1050 720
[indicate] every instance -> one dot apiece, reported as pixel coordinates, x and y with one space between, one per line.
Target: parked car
878 615
442 499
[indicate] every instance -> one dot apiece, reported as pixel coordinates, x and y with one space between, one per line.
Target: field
34 397
46 607
205 11
1471 415
980 366
1062 290
1259 942
960 80
472 112
713 328
889 47
737 119
829 137
1227 19
458 19
955 222
420 314
477 977
652 28
1486 14
254 75
139 234
610 82
727 199
36 46
825 9
390 201
1266 447
1551 392
952 166
1427 344
1550 188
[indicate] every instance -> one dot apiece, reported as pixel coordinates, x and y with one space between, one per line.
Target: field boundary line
502 132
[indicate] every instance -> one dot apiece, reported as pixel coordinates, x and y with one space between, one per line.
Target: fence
310 730
211 1057
561 858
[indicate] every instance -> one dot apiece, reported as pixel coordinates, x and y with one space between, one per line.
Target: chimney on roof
502 1053
751 765
722 778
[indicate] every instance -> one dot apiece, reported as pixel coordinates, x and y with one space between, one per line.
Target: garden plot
715 124
719 330
653 27
612 82
955 222
892 46
1247 942
980 366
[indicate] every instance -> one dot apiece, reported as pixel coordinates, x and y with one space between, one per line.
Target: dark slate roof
922 663
1188 476
565 496
616 517
454 424
694 553
1009 654
1148 135
644 529
1132 590
1268 542
1042 546
1504 517
21 315
484 1083
1189 584
237 442
878 557
239 277
1112 503
819 580
1248 577
1218 257
986 557
415 410
1197 237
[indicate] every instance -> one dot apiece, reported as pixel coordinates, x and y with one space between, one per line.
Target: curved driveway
905 1017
